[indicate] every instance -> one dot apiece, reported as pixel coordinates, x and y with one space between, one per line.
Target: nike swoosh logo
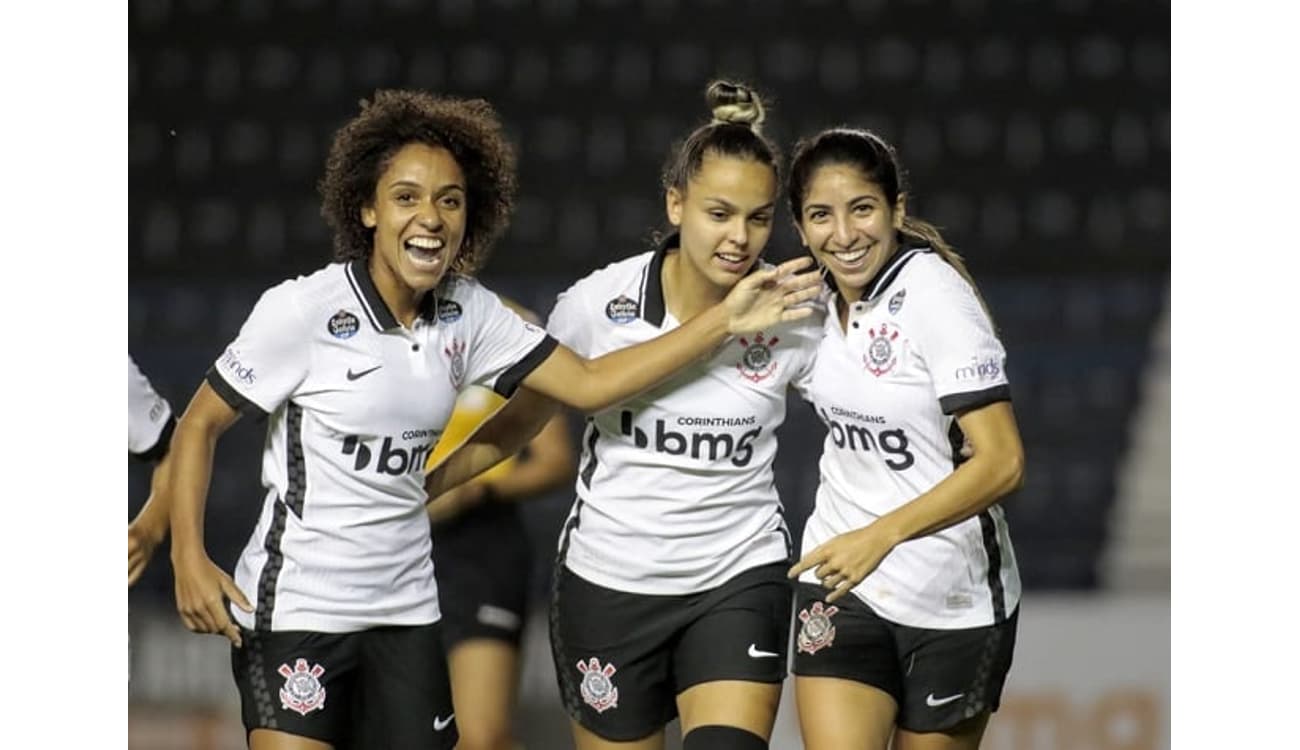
934 702
440 723
354 375
754 653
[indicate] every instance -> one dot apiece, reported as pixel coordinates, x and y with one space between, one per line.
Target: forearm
531 478
499 437
970 489
155 516
192 454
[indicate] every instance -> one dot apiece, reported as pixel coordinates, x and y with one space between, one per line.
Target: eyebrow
413 184
729 205
850 202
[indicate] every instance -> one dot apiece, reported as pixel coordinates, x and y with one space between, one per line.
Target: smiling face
725 217
418 212
850 225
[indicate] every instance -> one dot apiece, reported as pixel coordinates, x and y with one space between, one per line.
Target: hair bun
735 104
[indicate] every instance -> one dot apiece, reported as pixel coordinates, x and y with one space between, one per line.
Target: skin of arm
147 530
995 468
499 437
200 584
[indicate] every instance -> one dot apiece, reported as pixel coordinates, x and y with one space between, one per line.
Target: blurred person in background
483 559
670 595
356 368
150 423
909 367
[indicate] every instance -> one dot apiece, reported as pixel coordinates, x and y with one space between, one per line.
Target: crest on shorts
456 351
597 688
757 363
623 309
896 302
343 325
881 356
302 691
817 631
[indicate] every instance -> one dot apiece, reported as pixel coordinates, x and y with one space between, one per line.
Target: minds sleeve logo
979 369
236 368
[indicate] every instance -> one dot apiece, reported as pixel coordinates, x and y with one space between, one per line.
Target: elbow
1012 472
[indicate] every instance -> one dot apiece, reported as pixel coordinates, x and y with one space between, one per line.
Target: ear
900 210
368 217
803 238
673 204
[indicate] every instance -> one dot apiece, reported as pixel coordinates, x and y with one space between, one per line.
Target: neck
401 299
687 292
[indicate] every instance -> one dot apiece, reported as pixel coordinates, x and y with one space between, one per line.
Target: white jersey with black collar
675 488
148 416
356 401
918 349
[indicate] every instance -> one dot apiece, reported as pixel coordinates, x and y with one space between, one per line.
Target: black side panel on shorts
569 696
991 548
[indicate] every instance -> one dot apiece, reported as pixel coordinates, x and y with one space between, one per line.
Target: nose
739 234
842 235
430 217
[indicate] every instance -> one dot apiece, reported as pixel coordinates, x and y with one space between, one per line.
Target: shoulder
929 271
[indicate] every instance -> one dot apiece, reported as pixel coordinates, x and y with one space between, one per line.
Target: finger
840 590
232 632
806 294
133 570
232 592
794 265
806 562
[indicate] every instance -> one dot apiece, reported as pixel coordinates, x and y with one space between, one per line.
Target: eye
718 214
761 220
863 209
404 198
817 214
451 201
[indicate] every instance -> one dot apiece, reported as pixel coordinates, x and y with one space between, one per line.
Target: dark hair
734 131
878 163
362 149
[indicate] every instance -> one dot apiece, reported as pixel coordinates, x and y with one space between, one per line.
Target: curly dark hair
362 149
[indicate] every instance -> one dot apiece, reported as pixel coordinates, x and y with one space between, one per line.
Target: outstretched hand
776 295
201 592
843 561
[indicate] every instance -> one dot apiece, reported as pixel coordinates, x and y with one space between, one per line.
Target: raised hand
776 295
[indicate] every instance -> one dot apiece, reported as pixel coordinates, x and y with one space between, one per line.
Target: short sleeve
149 416
269 358
569 322
504 348
955 337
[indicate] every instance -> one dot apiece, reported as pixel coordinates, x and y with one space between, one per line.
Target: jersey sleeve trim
955 402
509 381
236 400
158 450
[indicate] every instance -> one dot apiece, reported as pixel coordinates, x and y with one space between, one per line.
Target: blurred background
1036 133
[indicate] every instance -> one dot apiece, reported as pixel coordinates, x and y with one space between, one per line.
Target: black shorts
621 659
939 678
382 687
482 561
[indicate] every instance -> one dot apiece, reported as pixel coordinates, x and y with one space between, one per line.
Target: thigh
963 736
613 658
837 713
585 739
483 682
953 676
296 683
405 690
734 703
738 631
846 641
482 564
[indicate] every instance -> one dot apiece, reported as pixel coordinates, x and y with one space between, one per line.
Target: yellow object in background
473 406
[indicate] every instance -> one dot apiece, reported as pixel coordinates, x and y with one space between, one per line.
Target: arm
761 300
200 585
501 436
547 464
147 530
995 469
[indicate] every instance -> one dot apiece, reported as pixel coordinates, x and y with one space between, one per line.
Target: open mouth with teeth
851 259
425 251
733 262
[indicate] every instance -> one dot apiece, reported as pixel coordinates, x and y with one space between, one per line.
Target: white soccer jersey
919 348
675 487
148 416
356 402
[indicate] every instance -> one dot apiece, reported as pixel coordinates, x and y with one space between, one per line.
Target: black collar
652 286
907 250
381 317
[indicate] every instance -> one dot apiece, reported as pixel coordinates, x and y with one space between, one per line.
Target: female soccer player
670 594
484 559
909 364
357 366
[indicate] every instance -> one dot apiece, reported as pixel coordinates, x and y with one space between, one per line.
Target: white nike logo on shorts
440 723
934 702
754 653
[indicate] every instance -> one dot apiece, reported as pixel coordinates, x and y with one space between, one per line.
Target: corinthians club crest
817 631
457 368
597 689
302 691
756 363
881 355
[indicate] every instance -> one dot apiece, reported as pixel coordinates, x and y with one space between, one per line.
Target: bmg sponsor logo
701 445
979 369
856 437
233 365
392 460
